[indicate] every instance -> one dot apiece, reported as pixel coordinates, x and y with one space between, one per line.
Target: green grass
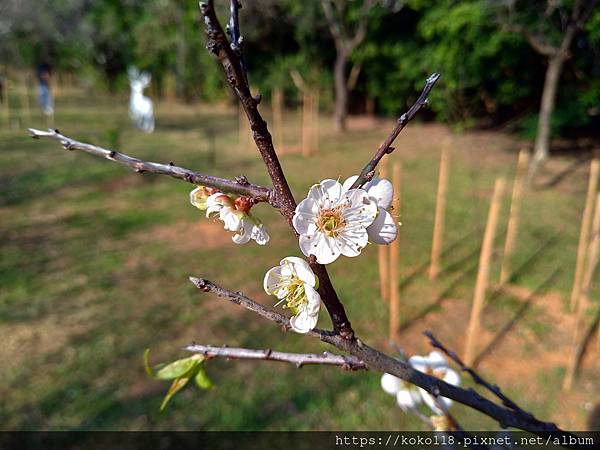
87 285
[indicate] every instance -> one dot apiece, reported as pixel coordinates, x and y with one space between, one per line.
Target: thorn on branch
257 99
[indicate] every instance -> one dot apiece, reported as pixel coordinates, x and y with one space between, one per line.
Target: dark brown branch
494 389
368 171
236 76
375 360
298 359
239 186
537 42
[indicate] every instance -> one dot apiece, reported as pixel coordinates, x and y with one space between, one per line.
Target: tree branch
494 389
298 359
369 170
230 60
375 360
537 42
239 186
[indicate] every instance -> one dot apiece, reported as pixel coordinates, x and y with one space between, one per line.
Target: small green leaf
202 379
147 367
177 385
177 368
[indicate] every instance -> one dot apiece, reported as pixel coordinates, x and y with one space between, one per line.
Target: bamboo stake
585 231
440 211
306 122
513 218
583 301
394 260
483 272
277 106
383 252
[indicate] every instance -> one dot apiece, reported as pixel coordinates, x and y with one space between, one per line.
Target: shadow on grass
520 313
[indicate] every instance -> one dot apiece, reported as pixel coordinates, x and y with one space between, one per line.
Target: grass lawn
95 259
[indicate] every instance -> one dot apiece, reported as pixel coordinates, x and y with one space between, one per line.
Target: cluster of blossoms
332 220
409 396
234 212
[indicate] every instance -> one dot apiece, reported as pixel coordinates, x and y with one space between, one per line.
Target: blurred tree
348 27
550 28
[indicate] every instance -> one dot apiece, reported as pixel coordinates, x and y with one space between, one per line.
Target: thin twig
298 359
375 360
239 186
494 389
369 170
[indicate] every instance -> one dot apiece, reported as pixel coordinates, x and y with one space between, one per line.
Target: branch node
112 154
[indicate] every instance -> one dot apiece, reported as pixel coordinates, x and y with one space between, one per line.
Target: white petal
326 193
199 203
349 182
259 234
303 322
231 220
314 301
383 230
360 208
452 377
391 384
351 241
380 190
408 399
305 218
301 269
272 280
436 360
325 249
420 363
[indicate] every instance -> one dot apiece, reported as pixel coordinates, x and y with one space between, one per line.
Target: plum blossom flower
333 221
199 196
294 283
409 396
236 217
383 230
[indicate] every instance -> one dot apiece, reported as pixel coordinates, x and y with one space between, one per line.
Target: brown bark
341 90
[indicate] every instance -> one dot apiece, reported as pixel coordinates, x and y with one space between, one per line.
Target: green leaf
177 385
147 367
202 380
178 368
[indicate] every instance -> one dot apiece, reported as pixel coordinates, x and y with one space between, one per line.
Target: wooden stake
440 211
277 106
579 336
483 272
513 218
306 122
383 252
585 232
394 260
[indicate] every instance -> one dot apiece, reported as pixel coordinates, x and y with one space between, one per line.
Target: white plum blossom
294 283
383 230
409 396
333 221
199 196
436 365
236 218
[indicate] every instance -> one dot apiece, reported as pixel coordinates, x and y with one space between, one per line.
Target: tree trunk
341 90
541 149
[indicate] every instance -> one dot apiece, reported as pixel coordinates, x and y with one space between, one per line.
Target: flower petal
452 377
408 399
383 230
326 193
351 241
349 182
301 269
324 248
305 218
381 191
435 405
360 208
391 384
303 322
259 234
314 301
272 281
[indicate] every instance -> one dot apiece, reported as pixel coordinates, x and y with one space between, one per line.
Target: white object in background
140 106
